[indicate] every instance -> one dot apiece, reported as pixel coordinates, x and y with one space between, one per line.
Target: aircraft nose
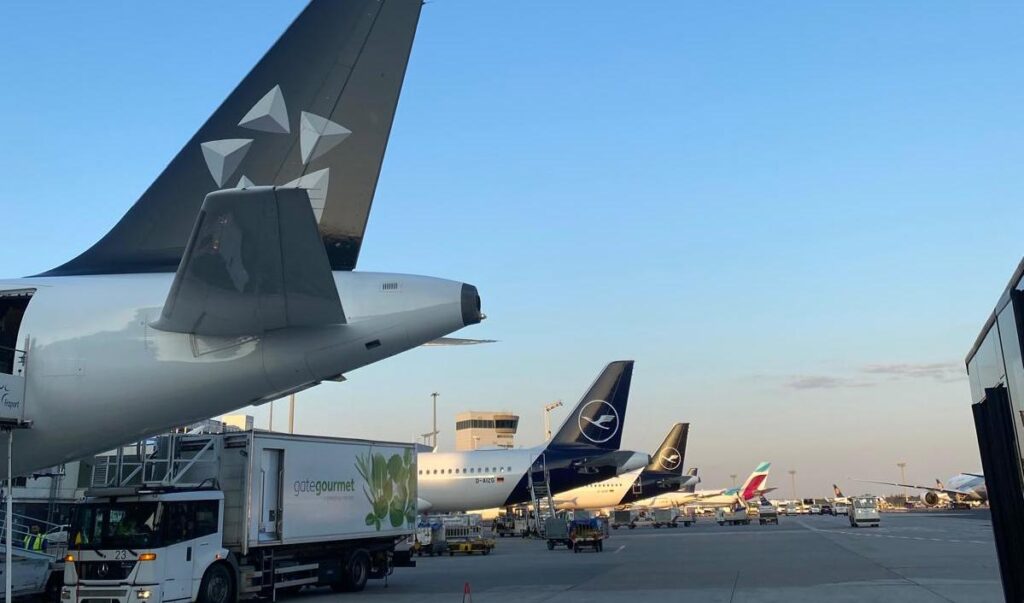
471 313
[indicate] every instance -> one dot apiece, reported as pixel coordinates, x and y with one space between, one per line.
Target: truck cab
140 546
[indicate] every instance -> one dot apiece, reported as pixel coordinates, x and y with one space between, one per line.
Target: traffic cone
467 597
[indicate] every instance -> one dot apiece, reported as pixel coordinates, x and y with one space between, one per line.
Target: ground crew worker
34 540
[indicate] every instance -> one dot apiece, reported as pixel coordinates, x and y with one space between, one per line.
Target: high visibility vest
34 542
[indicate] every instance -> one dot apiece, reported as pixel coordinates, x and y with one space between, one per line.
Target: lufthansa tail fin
314 113
600 414
669 456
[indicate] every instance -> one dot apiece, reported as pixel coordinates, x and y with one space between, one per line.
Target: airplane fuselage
98 375
484 479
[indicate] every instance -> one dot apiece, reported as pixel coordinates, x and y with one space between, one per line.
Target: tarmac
910 557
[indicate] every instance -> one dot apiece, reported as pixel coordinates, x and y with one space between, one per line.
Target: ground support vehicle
729 517
586 533
767 514
622 519
864 512
430 538
686 517
244 515
465 535
556 532
841 509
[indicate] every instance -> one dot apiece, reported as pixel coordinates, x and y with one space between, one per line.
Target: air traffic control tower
995 367
476 429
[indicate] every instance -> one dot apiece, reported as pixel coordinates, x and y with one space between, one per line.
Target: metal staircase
539 481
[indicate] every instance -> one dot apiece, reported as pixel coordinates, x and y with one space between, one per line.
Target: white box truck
263 513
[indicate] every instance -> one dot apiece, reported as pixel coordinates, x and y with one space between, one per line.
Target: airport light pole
433 434
792 475
547 417
903 477
733 476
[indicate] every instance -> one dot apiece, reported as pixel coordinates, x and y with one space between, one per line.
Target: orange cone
467 597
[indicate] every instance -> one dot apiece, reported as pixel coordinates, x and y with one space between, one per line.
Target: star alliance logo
598 421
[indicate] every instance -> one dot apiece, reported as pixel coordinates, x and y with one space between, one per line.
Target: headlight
142 593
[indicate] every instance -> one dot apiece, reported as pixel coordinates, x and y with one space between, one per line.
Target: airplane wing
916 487
254 263
448 341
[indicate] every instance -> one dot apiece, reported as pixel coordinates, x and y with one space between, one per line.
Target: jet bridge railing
49 541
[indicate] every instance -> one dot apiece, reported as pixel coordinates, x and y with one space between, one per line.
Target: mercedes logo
103 570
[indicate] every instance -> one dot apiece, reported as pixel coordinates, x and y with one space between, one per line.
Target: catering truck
242 515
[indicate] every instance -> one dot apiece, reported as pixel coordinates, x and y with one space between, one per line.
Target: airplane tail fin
600 414
669 456
837 491
938 482
314 113
692 486
755 482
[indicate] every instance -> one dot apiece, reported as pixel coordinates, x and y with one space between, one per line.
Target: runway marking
621 546
893 536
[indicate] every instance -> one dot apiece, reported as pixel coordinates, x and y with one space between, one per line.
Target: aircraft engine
931 499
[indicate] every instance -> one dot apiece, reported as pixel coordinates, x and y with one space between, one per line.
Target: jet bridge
995 367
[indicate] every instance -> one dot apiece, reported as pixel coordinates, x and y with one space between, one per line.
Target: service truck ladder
540 493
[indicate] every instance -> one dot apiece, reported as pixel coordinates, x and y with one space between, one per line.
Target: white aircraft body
230 281
961 488
583 451
663 474
753 488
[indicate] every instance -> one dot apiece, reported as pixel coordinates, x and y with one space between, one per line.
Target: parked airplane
753 487
961 488
663 474
230 281
839 496
583 451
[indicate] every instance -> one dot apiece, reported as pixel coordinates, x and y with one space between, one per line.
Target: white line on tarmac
620 548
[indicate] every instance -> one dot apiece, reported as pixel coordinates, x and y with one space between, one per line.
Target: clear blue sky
795 217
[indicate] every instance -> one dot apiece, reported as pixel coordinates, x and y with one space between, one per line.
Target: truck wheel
354 573
217 586
551 545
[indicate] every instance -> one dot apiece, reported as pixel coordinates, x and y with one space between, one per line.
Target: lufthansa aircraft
585 450
231 280
961 488
663 474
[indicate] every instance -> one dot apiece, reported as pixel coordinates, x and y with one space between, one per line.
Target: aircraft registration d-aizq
585 450
231 280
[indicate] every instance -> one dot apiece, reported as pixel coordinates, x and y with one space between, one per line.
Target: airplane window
471 470
456 471
449 472
510 469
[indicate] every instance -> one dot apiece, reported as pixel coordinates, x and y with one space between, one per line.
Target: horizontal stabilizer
254 263
450 341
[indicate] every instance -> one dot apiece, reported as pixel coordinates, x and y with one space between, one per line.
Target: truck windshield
124 525
864 503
